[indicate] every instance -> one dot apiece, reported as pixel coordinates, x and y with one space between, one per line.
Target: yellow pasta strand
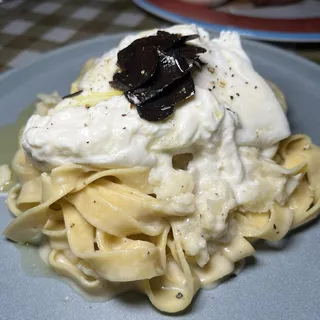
104 227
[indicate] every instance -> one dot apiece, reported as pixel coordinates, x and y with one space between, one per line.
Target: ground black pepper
179 295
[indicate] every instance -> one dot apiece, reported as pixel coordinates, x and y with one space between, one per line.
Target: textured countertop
29 28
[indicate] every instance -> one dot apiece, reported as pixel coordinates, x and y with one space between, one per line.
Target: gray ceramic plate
281 282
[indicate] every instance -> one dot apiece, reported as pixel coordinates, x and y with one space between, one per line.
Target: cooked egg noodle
104 227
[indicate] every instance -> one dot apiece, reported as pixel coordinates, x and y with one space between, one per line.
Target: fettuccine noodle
107 226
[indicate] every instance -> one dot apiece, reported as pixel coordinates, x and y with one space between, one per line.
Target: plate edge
249 33
120 35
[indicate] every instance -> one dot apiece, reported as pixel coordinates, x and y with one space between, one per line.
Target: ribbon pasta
105 227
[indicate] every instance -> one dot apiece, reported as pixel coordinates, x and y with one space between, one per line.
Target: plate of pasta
168 172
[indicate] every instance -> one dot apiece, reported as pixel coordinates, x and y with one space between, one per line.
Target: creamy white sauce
231 126
106 293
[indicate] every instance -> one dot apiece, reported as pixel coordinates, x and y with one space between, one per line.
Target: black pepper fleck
256 87
247 82
179 295
71 225
209 89
238 94
231 97
124 114
274 226
277 232
232 75
124 128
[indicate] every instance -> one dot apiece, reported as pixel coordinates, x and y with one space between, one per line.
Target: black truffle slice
184 39
177 40
171 67
141 68
156 73
198 63
190 52
156 112
162 41
161 107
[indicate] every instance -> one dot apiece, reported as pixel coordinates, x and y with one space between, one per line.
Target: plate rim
263 46
249 33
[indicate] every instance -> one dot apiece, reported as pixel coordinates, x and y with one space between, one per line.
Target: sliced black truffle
162 41
154 112
190 52
140 70
161 107
198 63
155 73
172 66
